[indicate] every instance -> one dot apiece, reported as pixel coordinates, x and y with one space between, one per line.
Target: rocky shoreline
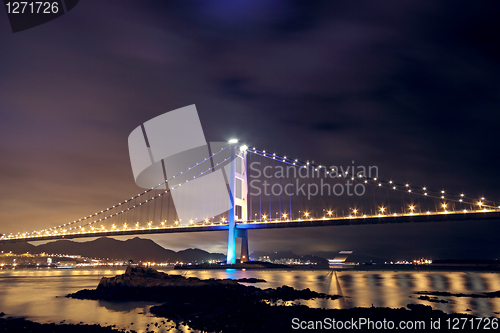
21 325
227 306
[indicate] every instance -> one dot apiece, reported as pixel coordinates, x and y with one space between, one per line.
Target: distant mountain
136 249
18 248
192 255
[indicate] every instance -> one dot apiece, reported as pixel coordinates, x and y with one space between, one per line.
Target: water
38 294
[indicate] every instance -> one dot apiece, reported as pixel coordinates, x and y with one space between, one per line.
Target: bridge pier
243 234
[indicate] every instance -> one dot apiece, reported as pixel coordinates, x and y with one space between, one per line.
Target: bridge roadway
323 222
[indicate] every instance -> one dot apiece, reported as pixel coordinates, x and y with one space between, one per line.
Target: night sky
410 86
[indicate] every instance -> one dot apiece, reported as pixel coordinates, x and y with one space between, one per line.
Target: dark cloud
411 87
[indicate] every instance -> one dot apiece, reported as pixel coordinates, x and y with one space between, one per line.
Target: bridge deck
325 222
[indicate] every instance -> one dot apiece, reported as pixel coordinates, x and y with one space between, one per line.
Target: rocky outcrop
140 277
225 305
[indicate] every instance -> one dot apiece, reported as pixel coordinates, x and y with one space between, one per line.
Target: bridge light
264 217
243 148
407 185
390 181
306 214
444 205
284 215
355 211
442 192
380 184
232 141
465 210
329 213
462 195
394 187
382 209
425 193
412 208
479 203
373 178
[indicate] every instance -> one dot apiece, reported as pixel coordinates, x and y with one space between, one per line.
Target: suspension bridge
260 190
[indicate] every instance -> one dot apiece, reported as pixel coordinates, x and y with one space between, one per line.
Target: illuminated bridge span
265 191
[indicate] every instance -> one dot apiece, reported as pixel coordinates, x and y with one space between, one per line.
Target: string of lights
406 187
131 199
484 205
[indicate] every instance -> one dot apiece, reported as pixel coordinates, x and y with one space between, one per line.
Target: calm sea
38 294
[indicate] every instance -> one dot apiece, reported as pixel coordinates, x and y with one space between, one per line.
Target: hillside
136 249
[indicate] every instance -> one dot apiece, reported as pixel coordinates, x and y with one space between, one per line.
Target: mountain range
135 249
138 249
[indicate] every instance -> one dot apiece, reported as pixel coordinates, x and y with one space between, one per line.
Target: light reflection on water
38 293
381 288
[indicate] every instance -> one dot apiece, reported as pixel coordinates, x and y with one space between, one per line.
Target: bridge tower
239 202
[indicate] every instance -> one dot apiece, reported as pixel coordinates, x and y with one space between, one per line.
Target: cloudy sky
410 86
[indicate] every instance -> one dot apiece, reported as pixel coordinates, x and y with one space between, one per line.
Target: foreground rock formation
227 306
